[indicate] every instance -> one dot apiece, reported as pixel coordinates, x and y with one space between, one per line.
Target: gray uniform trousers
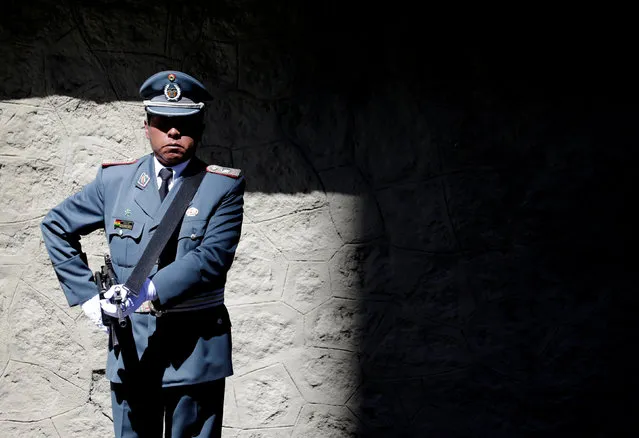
184 411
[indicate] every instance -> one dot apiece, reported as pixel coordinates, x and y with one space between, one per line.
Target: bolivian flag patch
122 224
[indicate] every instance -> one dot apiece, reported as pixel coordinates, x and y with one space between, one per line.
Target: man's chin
172 159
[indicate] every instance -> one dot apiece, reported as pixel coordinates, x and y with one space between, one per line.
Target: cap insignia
171 77
172 92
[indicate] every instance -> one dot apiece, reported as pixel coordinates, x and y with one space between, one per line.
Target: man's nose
173 132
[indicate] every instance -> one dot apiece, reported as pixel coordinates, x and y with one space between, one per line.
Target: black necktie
165 173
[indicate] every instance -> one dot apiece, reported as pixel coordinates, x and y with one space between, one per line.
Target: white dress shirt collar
177 171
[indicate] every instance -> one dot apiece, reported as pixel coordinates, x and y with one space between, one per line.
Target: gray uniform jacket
177 348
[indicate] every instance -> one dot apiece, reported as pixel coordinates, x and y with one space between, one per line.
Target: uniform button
219 321
193 236
120 232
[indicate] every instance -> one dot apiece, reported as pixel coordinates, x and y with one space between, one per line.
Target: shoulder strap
165 229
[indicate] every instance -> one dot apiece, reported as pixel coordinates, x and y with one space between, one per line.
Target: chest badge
192 211
122 224
143 180
127 212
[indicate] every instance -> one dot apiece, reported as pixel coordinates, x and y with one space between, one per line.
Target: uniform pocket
191 234
124 243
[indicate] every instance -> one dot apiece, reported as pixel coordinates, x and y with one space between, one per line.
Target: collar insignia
143 180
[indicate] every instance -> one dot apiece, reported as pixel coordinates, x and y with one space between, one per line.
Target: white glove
129 301
91 309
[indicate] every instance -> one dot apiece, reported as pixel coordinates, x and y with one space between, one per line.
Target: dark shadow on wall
494 291
502 267
490 270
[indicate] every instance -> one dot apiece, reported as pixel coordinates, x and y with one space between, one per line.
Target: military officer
168 367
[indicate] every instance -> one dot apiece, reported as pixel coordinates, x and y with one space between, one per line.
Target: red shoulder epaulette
117 163
226 171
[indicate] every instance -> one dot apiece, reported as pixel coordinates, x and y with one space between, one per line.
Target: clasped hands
128 301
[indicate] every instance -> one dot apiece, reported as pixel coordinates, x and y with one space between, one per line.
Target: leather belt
211 299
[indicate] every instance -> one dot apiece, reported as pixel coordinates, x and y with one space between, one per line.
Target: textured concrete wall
421 254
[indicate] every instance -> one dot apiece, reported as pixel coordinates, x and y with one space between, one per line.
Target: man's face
173 139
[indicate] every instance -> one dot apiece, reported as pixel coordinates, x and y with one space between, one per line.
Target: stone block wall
421 255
